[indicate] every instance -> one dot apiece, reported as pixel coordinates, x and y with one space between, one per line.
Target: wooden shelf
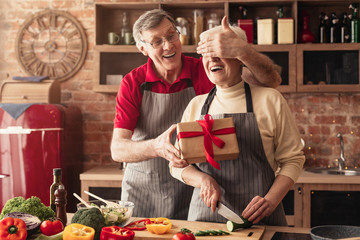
108 18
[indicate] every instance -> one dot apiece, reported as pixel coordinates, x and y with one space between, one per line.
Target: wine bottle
334 28
323 30
354 23
54 186
344 28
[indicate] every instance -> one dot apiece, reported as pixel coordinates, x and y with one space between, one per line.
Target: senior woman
268 139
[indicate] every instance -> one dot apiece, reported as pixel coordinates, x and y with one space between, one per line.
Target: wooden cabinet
310 67
305 203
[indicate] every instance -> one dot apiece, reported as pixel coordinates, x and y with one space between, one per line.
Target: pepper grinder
60 202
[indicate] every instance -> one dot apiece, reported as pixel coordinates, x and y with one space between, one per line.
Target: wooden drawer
46 91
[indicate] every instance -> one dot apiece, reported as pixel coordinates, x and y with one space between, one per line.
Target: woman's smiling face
223 72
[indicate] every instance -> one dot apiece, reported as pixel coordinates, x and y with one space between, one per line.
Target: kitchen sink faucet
341 161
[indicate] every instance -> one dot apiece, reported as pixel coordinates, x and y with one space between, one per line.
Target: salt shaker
60 202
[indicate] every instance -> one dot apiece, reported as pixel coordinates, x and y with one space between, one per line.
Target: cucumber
232 226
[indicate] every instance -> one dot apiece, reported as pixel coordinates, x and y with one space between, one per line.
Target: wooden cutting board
253 233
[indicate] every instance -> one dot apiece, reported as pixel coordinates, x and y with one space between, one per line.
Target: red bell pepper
12 229
138 225
116 233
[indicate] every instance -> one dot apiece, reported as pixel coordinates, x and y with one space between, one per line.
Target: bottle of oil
54 186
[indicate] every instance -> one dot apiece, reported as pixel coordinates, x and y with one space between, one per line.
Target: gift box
208 140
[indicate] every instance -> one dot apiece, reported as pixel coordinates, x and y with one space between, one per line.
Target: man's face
167 56
224 72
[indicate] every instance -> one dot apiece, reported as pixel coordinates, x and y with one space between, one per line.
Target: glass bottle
213 21
126 32
344 28
323 30
334 29
54 186
354 23
306 36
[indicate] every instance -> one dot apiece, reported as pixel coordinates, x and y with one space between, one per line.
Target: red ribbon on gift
209 137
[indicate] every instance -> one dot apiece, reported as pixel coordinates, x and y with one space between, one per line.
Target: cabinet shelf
301 64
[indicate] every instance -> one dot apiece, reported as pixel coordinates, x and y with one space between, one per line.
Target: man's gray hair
149 20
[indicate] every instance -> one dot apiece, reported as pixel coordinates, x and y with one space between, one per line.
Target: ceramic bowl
119 216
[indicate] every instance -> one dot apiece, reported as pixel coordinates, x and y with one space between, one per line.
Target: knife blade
228 214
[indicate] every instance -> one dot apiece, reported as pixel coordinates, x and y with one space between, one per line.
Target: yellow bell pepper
158 225
77 231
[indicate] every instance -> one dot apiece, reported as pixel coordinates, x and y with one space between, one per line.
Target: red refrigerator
42 137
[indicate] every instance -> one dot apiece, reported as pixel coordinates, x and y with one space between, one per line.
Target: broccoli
90 217
32 206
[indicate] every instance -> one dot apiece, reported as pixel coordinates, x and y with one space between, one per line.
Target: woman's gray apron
240 179
149 184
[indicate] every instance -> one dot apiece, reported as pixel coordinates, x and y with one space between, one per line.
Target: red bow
209 137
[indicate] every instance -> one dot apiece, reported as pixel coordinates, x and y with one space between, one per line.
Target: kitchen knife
228 214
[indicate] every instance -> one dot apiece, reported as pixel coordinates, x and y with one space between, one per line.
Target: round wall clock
51 43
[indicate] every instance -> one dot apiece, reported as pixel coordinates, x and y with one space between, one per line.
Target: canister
265 31
285 31
247 25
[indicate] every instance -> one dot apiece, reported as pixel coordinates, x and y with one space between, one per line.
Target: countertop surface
113 172
309 177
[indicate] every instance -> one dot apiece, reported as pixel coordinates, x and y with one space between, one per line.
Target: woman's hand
258 208
210 191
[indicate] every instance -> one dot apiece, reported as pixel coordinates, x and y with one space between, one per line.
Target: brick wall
319 116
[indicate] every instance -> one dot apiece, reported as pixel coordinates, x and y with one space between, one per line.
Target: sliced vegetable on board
232 226
210 233
158 225
138 225
12 229
76 231
116 233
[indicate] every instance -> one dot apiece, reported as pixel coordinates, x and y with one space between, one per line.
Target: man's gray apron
240 179
149 184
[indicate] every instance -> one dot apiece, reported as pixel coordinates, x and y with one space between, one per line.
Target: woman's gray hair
149 20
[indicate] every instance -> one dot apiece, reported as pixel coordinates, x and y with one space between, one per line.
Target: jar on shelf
198 24
126 32
213 21
183 28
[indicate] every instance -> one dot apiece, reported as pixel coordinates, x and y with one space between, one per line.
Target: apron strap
249 104
148 85
212 93
209 99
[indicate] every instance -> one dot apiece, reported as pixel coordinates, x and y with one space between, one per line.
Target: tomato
184 234
51 227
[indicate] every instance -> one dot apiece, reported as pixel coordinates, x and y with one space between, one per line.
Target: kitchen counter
266 232
112 175
316 178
